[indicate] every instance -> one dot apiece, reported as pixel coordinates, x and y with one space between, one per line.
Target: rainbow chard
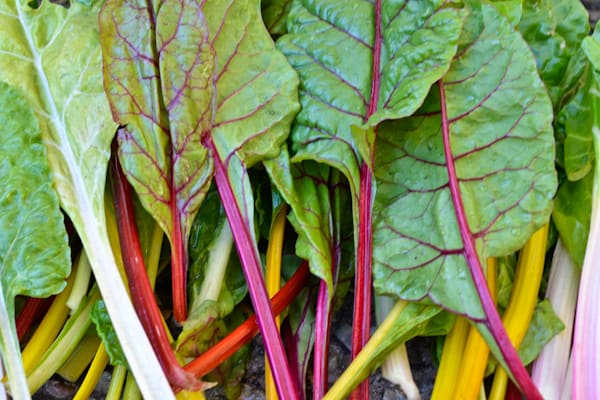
476 166
203 86
34 251
398 51
61 78
585 340
159 84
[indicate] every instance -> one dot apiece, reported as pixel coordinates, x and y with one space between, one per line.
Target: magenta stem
250 260
492 320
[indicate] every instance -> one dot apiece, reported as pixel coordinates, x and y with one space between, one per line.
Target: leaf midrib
81 195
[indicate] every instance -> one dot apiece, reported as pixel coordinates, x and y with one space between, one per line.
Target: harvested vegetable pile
180 177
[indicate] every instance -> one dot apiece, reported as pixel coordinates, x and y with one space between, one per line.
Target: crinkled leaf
418 42
105 330
304 186
572 215
573 122
256 94
503 150
274 13
554 29
34 251
159 66
52 54
543 327
511 9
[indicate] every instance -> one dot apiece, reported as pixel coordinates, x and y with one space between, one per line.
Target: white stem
217 264
2 388
134 342
9 348
82 281
567 390
586 341
550 368
396 369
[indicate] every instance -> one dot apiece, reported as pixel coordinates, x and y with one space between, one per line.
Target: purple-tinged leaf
158 66
444 204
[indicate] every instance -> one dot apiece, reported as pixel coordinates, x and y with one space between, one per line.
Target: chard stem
218 353
142 294
452 355
492 320
92 377
362 282
32 311
251 265
476 351
48 328
273 283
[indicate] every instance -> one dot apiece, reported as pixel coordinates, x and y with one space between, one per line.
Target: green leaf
335 92
256 94
554 30
159 64
34 251
573 122
572 215
105 330
52 54
418 41
543 327
304 187
274 13
503 149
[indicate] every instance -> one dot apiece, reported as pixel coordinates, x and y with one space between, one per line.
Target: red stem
492 320
142 294
178 265
31 312
248 254
362 282
240 336
321 348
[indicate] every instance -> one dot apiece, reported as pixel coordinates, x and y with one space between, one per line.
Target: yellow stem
476 352
342 387
273 283
452 353
49 327
80 358
116 383
93 375
523 299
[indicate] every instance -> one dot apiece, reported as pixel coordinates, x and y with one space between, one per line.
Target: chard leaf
416 43
52 54
573 122
554 30
304 186
275 13
158 65
543 327
34 251
499 119
503 149
256 100
572 215
105 330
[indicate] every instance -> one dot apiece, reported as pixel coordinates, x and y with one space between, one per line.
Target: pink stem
250 260
492 320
